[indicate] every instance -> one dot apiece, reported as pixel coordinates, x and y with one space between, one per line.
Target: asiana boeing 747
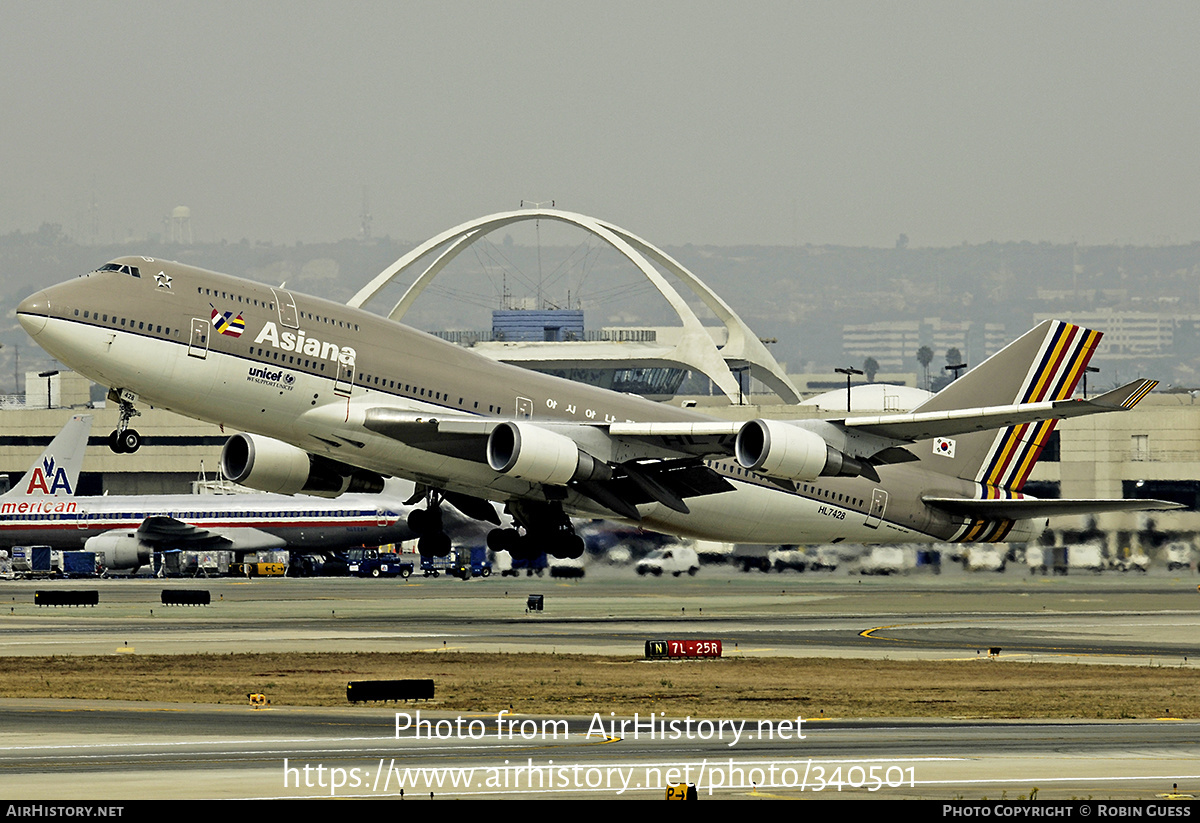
333 399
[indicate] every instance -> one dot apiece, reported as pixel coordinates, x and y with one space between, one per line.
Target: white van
675 560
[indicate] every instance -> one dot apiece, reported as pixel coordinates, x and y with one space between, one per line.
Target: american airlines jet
42 509
333 399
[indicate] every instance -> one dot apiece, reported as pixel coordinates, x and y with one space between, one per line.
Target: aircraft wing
168 532
927 425
617 466
622 464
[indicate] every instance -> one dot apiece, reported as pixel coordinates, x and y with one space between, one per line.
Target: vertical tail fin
1045 363
56 472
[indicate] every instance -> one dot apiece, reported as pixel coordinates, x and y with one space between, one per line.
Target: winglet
1127 396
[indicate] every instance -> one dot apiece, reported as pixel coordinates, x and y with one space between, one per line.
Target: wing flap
670 483
464 438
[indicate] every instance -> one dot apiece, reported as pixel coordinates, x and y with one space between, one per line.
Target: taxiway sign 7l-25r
334 398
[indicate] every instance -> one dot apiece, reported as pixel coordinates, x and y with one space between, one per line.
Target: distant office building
894 344
1135 334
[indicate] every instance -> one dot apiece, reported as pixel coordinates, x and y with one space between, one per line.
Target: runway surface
111 750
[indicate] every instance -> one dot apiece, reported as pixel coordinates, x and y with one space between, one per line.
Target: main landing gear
432 539
545 528
124 440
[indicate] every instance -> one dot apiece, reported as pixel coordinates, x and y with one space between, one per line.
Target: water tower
181 225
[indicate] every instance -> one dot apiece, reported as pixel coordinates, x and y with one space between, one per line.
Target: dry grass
582 684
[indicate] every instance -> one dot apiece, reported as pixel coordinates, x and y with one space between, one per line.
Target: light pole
48 375
848 372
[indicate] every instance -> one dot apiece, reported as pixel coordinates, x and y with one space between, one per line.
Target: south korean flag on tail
943 446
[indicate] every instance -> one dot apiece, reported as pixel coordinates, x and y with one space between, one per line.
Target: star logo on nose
163 280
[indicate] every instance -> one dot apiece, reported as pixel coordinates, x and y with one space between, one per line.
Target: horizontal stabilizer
1029 507
927 425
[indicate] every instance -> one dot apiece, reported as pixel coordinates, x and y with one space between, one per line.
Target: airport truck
464 563
530 565
373 563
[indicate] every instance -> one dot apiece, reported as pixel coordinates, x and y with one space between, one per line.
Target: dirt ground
579 684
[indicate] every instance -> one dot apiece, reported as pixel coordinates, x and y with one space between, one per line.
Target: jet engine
119 550
272 466
539 455
789 452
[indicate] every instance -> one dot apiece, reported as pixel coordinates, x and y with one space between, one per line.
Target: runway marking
1023 650
1041 780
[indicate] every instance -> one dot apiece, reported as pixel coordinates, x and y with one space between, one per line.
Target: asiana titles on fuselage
298 343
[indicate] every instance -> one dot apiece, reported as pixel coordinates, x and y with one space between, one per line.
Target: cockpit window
132 271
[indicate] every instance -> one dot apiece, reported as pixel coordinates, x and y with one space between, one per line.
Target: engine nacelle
119 550
539 455
272 466
778 449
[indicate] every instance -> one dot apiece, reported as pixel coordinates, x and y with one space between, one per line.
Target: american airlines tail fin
1043 365
56 472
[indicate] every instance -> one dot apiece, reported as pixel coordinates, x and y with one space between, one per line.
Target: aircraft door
524 408
879 500
198 343
287 308
345 378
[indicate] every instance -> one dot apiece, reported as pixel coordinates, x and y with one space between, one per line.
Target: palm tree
871 367
925 357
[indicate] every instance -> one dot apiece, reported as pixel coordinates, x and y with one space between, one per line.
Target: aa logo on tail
48 479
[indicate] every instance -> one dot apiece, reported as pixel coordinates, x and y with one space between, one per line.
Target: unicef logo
289 379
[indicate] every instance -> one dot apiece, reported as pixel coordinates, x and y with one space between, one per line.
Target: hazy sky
685 122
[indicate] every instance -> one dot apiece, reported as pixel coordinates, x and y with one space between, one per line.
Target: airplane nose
33 312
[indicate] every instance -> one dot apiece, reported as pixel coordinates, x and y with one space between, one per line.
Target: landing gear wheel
571 549
123 439
436 544
131 441
504 540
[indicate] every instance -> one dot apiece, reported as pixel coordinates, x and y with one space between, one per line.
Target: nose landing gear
124 440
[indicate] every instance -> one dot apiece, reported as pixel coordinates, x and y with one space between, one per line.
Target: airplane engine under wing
271 466
781 450
538 455
119 550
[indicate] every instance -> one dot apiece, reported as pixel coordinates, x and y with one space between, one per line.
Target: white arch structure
695 350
